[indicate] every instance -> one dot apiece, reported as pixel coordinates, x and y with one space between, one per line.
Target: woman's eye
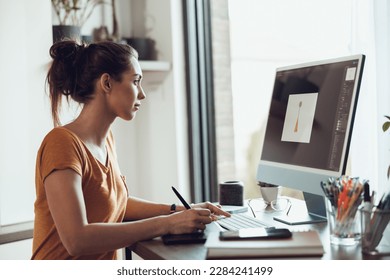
137 82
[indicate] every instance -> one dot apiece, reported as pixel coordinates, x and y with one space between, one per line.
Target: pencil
186 205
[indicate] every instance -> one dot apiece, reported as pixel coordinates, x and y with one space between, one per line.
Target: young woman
83 209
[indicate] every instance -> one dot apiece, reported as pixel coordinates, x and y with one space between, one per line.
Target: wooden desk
156 250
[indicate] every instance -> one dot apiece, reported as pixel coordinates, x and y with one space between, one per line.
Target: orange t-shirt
105 192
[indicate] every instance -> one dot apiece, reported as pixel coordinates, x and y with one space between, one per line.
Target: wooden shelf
154 72
154 65
16 232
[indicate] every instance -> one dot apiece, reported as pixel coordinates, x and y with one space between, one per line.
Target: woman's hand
196 218
188 221
214 209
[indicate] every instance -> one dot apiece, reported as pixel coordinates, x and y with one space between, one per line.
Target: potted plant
71 14
385 127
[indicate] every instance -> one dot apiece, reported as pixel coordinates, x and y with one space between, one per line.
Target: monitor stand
316 212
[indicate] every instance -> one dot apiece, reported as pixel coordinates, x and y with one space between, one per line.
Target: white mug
269 193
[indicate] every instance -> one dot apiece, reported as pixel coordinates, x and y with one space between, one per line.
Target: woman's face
126 95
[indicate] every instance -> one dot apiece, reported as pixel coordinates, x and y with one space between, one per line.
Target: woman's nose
141 94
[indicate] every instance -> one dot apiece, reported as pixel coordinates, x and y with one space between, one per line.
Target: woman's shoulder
62 143
60 149
61 136
61 133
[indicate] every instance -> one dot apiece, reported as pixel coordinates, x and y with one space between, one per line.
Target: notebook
305 243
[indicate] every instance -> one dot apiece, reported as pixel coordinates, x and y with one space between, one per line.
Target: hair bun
66 51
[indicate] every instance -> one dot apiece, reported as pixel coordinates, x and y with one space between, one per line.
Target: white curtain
370 147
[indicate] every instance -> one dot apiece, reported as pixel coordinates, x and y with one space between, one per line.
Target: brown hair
76 67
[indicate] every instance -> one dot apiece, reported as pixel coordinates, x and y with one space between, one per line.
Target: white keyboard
239 221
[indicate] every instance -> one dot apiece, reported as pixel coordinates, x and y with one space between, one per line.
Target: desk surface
156 250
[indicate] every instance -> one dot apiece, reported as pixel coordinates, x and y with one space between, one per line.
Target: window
251 38
264 35
200 100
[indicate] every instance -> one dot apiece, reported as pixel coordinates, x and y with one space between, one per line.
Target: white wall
152 150
24 113
20 250
25 35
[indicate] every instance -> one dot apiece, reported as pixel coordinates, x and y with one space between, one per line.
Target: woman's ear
105 82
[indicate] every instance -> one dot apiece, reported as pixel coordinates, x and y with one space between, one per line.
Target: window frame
200 100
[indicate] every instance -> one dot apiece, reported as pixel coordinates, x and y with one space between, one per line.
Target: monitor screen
310 123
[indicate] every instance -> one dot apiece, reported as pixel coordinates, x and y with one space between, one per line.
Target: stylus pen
186 205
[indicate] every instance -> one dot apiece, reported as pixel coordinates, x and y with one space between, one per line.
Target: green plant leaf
385 126
388 173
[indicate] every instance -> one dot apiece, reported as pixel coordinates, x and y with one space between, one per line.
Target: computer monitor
309 128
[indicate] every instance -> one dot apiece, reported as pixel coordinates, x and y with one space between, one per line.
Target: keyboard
239 221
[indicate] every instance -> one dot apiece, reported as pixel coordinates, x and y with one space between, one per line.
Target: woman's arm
141 209
66 204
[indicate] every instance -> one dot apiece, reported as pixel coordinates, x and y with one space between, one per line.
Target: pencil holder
231 193
375 232
345 228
